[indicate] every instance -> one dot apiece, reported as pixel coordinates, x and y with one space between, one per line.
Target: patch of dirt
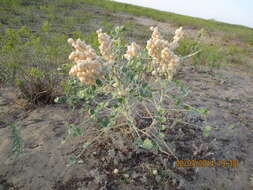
228 96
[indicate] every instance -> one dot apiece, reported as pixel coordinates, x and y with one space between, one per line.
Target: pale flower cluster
133 50
106 45
82 51
88 63
87 66
178 35
164 61
156 44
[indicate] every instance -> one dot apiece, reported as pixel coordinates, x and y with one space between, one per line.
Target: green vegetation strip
235 31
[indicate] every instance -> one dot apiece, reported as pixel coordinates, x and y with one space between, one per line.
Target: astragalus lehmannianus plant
129 90
164 61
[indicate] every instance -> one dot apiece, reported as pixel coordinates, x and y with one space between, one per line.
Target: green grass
235 31
71 12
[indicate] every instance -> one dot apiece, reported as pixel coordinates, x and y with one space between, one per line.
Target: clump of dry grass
37 91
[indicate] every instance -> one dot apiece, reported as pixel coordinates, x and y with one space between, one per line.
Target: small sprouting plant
128 90
17 142
206 130
74 130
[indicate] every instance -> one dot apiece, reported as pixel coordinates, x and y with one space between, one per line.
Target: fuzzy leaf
206 130
147 143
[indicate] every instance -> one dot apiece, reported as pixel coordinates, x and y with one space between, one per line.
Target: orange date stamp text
206 163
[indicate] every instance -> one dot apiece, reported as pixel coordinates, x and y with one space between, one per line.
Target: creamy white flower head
156 44
87 65
132 51
71 41
87 71
82 51
178 36
106 45
179 32
165 62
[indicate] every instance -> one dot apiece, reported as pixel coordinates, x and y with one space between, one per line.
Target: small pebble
116 171
155 172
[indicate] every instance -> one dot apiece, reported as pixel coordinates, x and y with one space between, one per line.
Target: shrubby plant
29 60
128 90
